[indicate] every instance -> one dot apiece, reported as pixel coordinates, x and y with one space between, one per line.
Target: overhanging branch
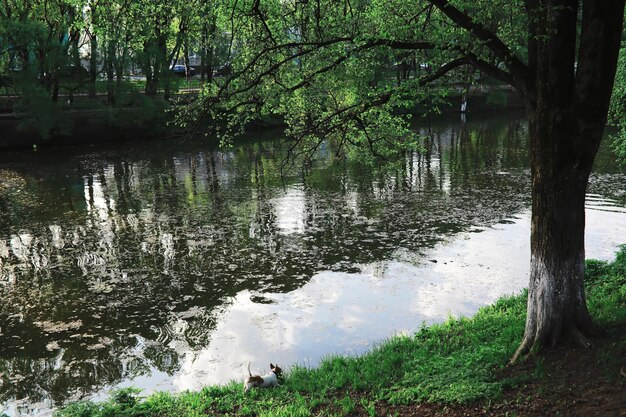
290 45
312 47
357 109
496 45
490 69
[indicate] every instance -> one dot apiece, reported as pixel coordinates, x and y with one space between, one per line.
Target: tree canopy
330 68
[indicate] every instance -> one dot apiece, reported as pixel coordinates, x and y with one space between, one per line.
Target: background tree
115 32
91 24
36 41
52 50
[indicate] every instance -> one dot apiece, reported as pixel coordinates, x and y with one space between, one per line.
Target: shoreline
84 126
455 366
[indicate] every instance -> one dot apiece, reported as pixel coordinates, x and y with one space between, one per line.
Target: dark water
170 265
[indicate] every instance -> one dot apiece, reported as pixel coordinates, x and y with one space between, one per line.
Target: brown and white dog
268 380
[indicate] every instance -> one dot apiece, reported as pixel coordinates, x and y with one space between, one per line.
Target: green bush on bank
456 361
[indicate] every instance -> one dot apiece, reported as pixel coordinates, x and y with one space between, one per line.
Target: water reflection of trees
126 261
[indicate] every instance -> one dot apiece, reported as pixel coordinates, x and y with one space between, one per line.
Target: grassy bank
461 361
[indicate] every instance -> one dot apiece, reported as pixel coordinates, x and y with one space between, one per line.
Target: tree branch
257 11
371 44
314 47
443 70
328 124
490 69
356 109
370 141
496 45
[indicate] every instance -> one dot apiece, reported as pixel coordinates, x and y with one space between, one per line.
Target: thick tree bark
76 73
163 62
93 58
55 87
209 28
556 296
567 102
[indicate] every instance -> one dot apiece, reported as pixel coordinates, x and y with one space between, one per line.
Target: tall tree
318 65
567 92
91 25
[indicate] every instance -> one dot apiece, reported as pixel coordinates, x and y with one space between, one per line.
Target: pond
169 265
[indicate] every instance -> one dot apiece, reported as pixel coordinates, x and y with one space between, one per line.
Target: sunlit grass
453 362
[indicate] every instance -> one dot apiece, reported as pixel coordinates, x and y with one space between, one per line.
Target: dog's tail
249 373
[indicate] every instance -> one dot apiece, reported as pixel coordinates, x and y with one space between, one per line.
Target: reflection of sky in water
290 210
343 313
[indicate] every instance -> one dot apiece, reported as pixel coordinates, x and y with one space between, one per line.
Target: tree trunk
108 69
109 65
162 61
93 66
120 65
567 102
55 86
76 74
147 69
186 59
556 296
209 64
208 38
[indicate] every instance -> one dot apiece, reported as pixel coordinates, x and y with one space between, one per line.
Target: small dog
270 379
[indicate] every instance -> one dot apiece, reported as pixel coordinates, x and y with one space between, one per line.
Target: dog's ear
271 366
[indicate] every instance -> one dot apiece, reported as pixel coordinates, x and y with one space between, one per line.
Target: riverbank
58 124
456 368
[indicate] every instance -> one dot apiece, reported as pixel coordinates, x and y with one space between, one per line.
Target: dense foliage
354 71
76 54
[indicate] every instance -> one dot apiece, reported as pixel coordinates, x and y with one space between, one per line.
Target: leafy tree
35 41
325 66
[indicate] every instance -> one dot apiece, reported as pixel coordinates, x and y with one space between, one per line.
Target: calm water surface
168 266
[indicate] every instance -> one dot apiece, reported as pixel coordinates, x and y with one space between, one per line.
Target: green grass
454 362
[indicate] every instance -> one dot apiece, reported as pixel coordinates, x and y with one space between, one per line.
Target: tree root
533 344
524 348
580 339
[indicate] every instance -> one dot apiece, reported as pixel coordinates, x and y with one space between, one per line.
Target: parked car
222 70
180 70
